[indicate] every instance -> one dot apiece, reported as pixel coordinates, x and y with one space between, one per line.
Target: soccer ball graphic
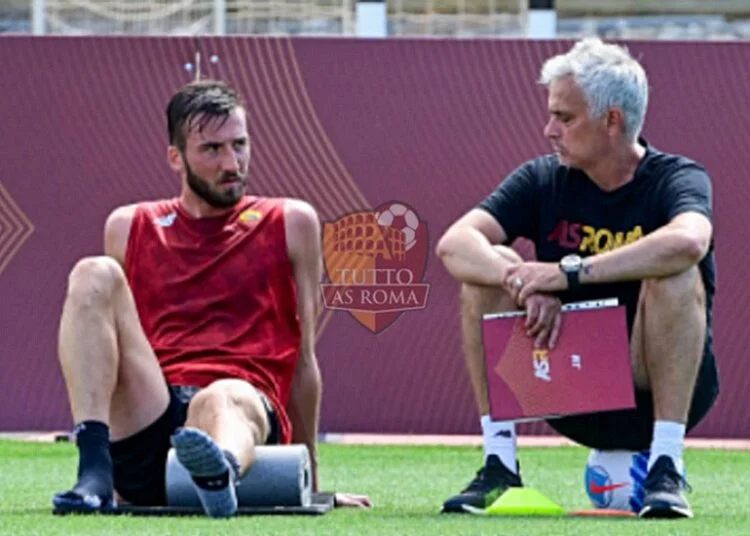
614 479
401 217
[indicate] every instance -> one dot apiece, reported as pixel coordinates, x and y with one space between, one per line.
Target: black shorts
140 460
633 429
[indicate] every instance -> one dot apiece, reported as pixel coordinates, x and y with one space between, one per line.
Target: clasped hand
530 284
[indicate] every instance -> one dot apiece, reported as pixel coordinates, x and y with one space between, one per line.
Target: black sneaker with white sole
664 492
491 481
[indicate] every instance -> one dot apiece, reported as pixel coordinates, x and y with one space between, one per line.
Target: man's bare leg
675 326
499 437
668 343
115 387
668 348
232 413
477 301
225 422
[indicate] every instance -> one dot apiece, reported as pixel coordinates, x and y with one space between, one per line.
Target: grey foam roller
280 476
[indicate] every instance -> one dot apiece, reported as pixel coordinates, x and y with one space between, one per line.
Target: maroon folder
588 371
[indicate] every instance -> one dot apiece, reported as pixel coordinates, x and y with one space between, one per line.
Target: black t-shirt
562 211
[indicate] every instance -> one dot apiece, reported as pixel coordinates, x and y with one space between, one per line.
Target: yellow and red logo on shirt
589 239
250 215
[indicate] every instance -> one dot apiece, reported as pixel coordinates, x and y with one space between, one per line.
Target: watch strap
573 279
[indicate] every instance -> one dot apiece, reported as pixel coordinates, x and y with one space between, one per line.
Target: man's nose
230 161
550 129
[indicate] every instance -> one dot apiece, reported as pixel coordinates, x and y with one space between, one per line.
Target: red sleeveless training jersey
217 296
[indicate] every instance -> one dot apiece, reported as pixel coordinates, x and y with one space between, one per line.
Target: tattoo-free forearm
304 409
470 258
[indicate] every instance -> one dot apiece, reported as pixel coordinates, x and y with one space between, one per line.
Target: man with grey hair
657 207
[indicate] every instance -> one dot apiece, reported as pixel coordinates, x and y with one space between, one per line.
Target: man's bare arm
672 249
470 252
305 249
117 232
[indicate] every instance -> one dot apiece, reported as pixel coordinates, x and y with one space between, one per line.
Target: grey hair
609 78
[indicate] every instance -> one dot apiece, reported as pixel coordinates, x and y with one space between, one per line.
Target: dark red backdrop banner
349 125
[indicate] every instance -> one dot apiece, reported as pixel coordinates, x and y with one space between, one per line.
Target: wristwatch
570 265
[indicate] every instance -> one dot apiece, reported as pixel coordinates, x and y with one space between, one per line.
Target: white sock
669 437
500 439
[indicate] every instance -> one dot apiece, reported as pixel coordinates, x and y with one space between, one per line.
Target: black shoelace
663 477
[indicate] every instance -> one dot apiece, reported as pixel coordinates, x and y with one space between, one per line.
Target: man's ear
615 120
174 159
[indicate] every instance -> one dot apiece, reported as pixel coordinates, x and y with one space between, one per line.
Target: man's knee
93 280
510 255
480 300
682 289
230 397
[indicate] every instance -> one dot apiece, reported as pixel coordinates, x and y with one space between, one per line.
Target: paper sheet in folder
588 371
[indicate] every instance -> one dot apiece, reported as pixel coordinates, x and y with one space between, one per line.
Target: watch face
570 263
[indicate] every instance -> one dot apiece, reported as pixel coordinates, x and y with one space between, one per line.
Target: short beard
210 195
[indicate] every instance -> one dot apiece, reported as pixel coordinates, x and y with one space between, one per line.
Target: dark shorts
633 429
140 460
